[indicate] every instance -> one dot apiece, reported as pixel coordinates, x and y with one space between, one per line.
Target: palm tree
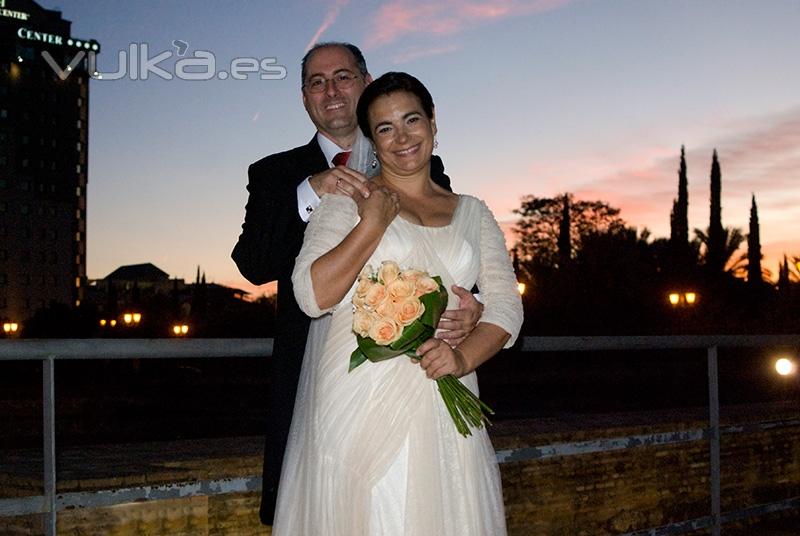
732 238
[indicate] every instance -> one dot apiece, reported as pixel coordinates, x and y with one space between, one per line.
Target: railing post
714 440
49 434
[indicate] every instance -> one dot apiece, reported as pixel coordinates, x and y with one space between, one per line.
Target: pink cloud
327 22
402 17
422 52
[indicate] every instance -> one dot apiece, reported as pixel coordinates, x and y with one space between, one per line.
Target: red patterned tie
341 158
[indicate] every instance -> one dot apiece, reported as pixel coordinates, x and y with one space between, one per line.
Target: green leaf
356 358
435 303
375 352
410 334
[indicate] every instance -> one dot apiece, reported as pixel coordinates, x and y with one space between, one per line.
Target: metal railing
50 351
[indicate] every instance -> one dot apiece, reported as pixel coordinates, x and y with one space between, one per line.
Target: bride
374 451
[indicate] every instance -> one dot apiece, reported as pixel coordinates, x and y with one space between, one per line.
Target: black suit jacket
272 235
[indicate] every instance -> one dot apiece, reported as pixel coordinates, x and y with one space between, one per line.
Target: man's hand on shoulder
340 180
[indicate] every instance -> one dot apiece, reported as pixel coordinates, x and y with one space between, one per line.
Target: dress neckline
452 219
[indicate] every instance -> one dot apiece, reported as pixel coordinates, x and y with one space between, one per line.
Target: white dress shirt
307 198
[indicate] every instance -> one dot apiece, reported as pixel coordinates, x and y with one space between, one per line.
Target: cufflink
309 209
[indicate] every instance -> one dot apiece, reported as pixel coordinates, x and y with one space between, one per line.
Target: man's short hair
361 63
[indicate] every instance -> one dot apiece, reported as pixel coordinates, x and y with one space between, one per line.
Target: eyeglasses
342 80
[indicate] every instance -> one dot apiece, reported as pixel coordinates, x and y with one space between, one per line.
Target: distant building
44 120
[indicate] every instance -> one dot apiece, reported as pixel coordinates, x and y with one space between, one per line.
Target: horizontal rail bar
33 349
654 342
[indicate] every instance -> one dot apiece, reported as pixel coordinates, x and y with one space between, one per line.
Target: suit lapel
314 157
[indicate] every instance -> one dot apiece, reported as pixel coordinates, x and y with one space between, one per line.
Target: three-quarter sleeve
496 279
328 226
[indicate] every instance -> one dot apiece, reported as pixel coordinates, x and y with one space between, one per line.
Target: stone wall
591 494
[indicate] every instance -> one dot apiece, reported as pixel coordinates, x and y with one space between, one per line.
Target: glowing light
521 288
180 330
785 366
10 327
103 322
113 323
674 298
127 318
690 298
137 317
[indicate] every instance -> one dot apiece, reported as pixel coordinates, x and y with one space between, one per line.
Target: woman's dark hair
391 82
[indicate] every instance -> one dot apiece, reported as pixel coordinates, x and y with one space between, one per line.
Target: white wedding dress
374 451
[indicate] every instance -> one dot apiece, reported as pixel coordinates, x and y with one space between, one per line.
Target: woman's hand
439 359
380 207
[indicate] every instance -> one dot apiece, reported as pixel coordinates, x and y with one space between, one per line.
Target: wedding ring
337 182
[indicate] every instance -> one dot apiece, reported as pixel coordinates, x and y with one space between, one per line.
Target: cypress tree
564 238
680 207
715 256
754 247
783 275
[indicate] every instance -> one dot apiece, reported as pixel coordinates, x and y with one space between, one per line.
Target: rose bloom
362 322
411 275
400 289
359 301
375 295
409 310
389 271
426 285
387 308
366 272
385 331
364 286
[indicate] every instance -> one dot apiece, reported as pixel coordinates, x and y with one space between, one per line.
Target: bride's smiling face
402 132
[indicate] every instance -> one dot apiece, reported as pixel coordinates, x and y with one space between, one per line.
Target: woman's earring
435 143
374 162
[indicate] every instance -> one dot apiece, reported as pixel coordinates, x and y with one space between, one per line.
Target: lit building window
78 236
77 282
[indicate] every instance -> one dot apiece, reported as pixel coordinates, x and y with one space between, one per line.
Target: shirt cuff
307 200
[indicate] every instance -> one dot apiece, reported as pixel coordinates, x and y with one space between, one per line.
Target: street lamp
682 299
785 366
180 330
132 318
10 328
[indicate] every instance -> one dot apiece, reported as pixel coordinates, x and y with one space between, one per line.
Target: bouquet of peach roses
395 312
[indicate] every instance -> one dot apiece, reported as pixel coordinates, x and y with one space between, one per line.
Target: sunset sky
541 97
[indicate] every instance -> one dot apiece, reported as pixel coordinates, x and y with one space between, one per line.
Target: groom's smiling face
333 110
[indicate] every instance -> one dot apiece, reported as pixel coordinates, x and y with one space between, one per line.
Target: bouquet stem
466 409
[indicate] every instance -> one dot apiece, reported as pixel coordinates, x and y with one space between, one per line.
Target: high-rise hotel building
44 121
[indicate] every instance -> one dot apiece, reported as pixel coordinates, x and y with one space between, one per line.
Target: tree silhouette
679 219
564 239
732 238
539 226
716 241
754 277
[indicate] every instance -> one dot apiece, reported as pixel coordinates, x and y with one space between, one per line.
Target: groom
284 189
